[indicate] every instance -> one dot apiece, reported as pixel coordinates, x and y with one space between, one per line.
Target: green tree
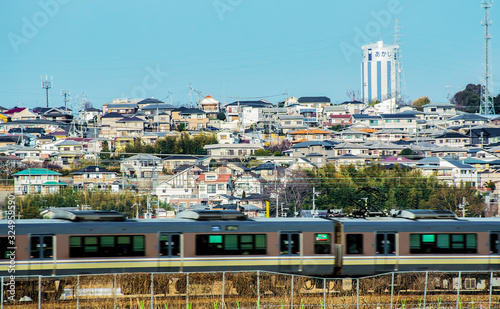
373 102
407 152
105 155
469 99
261 152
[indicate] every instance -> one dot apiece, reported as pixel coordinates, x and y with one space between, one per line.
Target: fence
227 290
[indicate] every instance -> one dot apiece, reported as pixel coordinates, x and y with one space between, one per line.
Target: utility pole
314 202
47 84
65 94
486 107
191 94
463 206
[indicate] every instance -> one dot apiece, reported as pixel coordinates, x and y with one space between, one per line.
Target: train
97 242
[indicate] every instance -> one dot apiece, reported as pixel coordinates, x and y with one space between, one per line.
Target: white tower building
380 78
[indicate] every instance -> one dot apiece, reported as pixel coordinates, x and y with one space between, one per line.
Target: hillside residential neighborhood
454 146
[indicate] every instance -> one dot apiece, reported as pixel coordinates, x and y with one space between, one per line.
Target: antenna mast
486 107
47 84
65 94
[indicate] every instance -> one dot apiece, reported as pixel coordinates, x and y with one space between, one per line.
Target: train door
42 255
170 252
385 252
494 250
290 259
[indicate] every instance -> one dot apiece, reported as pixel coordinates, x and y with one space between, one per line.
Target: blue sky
232 48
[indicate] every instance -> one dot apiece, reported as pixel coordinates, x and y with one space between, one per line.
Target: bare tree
296 188
353 95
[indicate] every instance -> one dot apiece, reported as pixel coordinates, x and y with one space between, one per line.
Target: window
4 244
443 243
41 247
212 188
221 186
354 243
494 242
231 244
106 246
322 244
289 243
170 245
385 243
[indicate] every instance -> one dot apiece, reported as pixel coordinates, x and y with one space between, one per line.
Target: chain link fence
225 290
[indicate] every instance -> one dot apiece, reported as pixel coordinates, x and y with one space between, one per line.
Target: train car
417 240
210 241
104 242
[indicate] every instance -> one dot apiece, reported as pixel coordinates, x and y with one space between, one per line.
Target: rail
257 289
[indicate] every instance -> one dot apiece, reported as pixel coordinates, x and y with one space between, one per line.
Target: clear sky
234 48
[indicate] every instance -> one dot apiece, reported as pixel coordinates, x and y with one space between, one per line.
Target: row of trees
29 206
183 144
378 187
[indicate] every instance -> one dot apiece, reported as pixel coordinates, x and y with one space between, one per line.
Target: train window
289 243
41 247
386 243
106 246
494 242
231 244
354 243
170 245
322 244
443 243
4 252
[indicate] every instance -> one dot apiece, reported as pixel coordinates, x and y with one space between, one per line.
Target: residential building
231 150
210 106
211 184
141 166
37 180
93 178
249 183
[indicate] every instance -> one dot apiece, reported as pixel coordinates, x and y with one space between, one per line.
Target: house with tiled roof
352 136
315 102
311 134
404 121
324 147
437 113
333 120
211 184
122 108
250 183
142 166
453 172
37 181
210 106
130 126
231 150
190 118
93 178
451 139
290 123
368 121
56 114
21 113
353 107
483 135
467 119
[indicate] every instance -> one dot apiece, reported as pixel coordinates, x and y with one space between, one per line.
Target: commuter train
85 242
